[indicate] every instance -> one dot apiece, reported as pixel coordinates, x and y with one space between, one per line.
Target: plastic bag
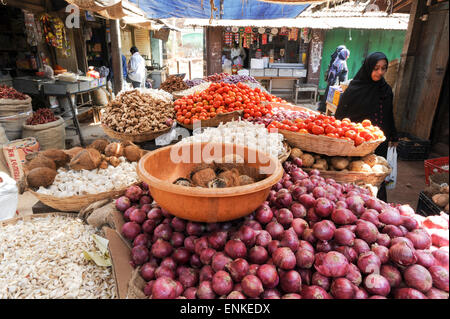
8 196
391 179
172 135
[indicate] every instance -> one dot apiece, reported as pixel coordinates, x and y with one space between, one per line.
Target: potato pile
133 112
368 164
41 167
173 83
441 199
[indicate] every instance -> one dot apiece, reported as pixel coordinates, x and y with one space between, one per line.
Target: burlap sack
15 153
99 214
136 286
49 135
100 97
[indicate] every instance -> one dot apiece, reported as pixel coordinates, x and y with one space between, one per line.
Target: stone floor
410 179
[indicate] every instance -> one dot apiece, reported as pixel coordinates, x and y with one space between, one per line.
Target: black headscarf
364 98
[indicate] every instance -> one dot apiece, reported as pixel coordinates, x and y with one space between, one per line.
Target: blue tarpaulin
232 9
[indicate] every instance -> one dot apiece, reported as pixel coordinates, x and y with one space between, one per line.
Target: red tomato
366 123
317 130
329 129
350 134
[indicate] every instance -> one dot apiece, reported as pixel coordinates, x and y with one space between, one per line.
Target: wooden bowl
159 170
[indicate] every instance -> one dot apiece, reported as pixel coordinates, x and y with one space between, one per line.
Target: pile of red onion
313 239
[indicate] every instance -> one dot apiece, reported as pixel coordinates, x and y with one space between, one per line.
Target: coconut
73 151
41 176
99 144
58 156
114 149
41 161
88 159
133 153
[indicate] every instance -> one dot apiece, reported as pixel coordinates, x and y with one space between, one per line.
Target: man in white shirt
136 68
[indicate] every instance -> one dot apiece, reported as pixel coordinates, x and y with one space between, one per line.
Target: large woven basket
216 120
75 203
328 145
138 138
374 179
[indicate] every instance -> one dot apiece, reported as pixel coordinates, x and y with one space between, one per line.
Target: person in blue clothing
124 67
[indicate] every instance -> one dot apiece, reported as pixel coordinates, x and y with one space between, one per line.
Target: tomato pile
223 98
331 127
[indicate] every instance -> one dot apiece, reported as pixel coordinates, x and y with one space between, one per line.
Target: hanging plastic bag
391 179
174 134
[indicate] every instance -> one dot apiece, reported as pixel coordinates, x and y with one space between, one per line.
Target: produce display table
271 78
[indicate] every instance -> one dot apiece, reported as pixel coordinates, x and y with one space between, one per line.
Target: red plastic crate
433 166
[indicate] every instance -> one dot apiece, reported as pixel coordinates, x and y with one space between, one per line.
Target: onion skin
382 252
190 293
408 293
275 229
333 264
299 225
290 239
392 275
323 207
342 288
164 288
360 246
308 235
258 255
384 240
219 261
298 210
314 292
238 268
147 271
369 263
217 240
440 277
434 293
131 230
377 285
354 275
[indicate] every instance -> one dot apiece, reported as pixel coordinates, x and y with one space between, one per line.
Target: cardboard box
256 72
336 97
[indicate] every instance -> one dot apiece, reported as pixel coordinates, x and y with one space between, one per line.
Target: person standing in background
370 97
124 67
322 103
136 68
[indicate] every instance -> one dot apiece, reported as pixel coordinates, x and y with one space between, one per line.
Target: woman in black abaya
370 97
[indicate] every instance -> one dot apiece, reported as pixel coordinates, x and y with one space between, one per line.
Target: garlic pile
198 88
244 133
75 183
158 94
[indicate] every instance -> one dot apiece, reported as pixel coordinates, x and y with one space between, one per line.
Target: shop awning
232 9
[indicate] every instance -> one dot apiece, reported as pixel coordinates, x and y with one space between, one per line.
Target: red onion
324 230
283 199
306 275
369 263
126 214
130 230
361 293
177 239
222 283
354 275
272 246
434 293
163 231
162 271
303 244
348 252
291 296
284 258
375 204
382 252
219 261
377 285
263 238
299 225
154 214
146 208
408 293
170 263
200 245
333 264
321 281
371 215
392 231
308 235
255 225
247 235
275 229
440 277
178 224
148 288
252 286
181 255
258 255
144 200
418 277
410 223
190 293
205 290
304 258
420 238
323 207
206 255
392 275
314 292
405 240
237 268
284 216
312 217
390 216
194 229
298 210
147 271
142 239
342 288
323 246
360 246
252 269
123 203
425 258
319 192
161 248
189 277
384 240
164 288
289 239
366 231
402 254
235 249
343 236
133 192
343 216
263 214
189 243
441 257
341 204
307 200
291 282
206 273
271 294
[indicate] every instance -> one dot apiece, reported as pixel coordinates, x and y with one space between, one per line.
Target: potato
40 161
370 159
359 166
339 162
321 165
440 199
60 157
41 176
307 160
296 152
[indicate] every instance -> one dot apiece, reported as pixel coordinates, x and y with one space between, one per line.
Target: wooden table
271 78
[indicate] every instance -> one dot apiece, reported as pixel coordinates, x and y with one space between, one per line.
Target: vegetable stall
310 227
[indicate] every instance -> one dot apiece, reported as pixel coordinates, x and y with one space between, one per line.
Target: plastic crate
433 166
413 149
426 207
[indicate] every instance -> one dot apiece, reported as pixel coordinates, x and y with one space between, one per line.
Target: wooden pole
178 67
190 70
116 55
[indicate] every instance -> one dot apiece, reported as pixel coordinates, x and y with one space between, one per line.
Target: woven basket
216 120
353 177
283 157
328 145
138 138
75 203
